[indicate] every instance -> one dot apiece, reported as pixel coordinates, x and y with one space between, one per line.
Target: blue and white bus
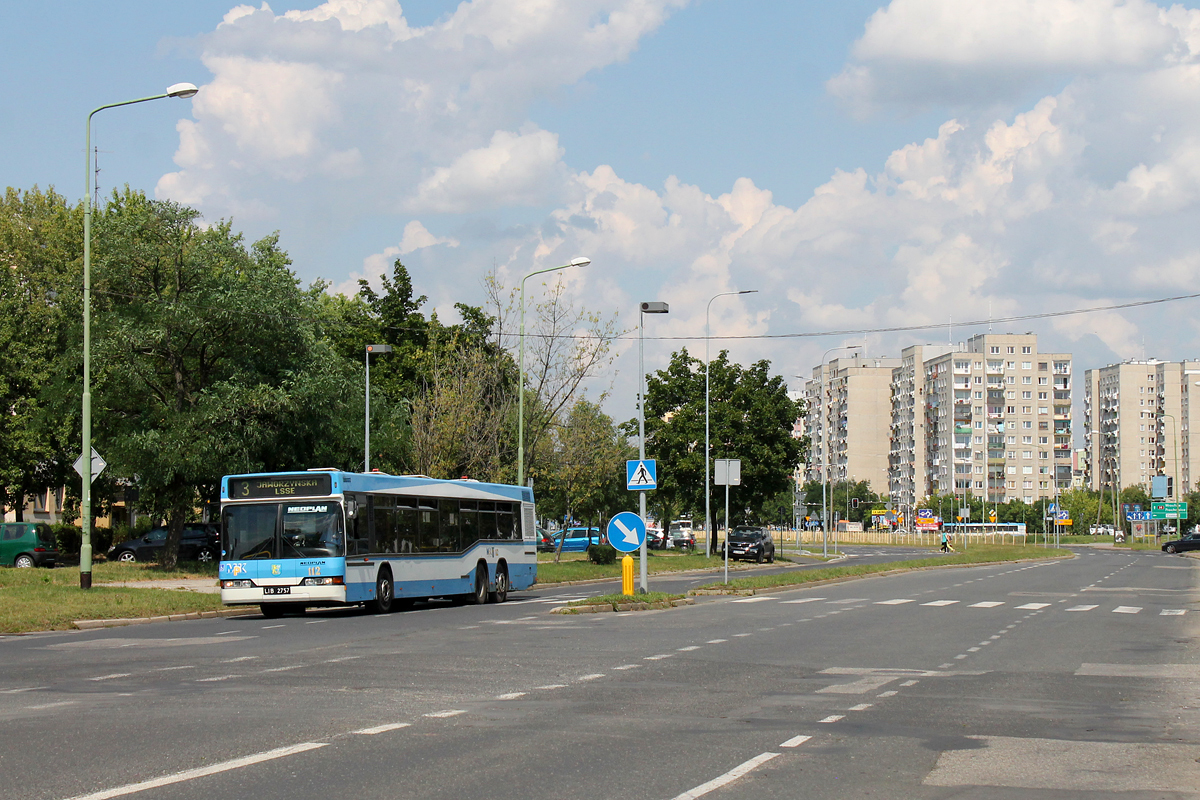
331 538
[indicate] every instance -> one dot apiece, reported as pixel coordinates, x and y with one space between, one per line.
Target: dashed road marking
510 696
833 718
394 726
1082 608
727 778
899 601
795 741
1127 610
111 677
860 707
453 712
1033 606
940 603
986 604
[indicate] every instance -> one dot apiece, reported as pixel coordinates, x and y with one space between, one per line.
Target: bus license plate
277 590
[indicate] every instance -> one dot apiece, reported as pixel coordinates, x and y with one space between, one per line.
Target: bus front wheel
501 593
385 593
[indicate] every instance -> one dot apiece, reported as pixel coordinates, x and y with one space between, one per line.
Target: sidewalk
201 585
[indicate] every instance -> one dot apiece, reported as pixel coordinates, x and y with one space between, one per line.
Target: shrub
602 554
69 538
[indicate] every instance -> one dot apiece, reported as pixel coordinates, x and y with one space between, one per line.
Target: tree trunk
170 552
19 507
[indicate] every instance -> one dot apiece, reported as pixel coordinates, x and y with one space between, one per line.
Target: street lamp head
748 291
580 261
655 307
376 349
184 90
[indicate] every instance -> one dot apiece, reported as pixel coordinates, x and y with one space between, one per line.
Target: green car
27 544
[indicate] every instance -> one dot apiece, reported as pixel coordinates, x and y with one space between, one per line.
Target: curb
600 608
844 578
89 624
589 581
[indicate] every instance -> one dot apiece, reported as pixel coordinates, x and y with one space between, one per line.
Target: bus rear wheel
479 596
501 593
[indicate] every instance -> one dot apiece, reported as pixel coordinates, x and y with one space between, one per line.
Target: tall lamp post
825 450
652 307
578 261
372 349
184 90
709 541
1178 489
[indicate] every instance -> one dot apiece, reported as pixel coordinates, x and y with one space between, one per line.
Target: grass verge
618 599
975 555
50 599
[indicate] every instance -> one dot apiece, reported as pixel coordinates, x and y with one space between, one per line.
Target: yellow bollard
627 575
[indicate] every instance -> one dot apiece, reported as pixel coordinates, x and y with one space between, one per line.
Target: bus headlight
238 584
333 580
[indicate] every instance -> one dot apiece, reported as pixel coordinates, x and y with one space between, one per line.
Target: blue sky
865 165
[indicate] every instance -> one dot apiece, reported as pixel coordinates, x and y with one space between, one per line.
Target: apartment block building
1137 419
908 463
848 420
998 419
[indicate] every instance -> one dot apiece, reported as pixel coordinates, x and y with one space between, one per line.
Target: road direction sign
641 475
1137 516
1168 510
626 531
98 465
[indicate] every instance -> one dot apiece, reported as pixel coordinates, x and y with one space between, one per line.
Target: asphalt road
1043 680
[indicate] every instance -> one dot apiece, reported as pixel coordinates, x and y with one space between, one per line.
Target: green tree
207 359
40 252
751 419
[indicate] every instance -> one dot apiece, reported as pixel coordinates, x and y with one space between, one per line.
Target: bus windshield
309 530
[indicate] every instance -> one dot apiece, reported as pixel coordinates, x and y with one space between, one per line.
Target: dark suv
749 543
198 543
1189 542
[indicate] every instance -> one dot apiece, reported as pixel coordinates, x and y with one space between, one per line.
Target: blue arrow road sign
626 531
641 475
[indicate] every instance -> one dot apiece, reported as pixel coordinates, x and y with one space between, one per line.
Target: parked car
198 543
28 544
751 543
656 539
681 536
578 539
1189 542
545 542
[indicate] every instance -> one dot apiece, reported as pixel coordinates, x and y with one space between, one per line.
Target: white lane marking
960 656
268 627
343 658
984 643
847 601
940 603
454 712
753 599
187 775
1127 609
284 669
239 658
50 705
110 677
740 635
591 677
795 741
315 621
688 649
899 601
169 669
26 689
1172 612
1033 606
802 600
510 696
716 641
658 657
860 707
974 649
226 633
552 686
395 726
889 693
833 718
219 678
1082 608
727 778
986 604
628 666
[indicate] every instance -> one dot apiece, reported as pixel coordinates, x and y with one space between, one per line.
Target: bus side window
487 519
406 529
428 531
385 529
468 519
450 527
504 521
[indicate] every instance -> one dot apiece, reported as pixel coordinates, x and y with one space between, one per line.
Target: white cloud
955 52
375 266
515 169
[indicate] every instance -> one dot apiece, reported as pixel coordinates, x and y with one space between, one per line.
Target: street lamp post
578 261
183 90
372 349
709 542
825 450
1175 438
652 307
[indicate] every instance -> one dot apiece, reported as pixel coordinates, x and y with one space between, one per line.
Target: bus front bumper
309 595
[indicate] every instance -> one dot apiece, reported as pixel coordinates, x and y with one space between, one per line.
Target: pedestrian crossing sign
641 475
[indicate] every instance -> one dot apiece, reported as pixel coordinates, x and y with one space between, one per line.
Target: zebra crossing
948 603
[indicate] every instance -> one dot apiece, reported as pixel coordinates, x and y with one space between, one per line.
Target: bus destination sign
309 485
